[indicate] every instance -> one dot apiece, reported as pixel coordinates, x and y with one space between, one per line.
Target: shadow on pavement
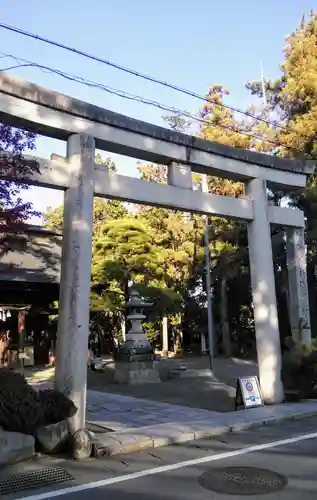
196 387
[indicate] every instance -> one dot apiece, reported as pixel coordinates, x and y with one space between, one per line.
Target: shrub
22 409
299 368
20 405
55 407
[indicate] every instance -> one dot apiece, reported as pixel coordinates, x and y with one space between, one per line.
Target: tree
108 162
124 250
104 210
221 126
181 235
179 250
153 172
292 99
54 218
14 211
179 123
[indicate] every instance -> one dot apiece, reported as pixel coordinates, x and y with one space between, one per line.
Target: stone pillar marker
135 360
74 298
264 295
123 329
203 345
298 300
165 336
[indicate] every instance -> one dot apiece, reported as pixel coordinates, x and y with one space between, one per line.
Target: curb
143 438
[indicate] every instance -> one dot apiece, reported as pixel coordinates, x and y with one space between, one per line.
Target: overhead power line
147 77
132 97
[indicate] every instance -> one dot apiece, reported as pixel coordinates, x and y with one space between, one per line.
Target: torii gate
84 127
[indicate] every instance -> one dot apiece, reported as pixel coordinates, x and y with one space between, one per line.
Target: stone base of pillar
135 365
136 372
303 335
306 335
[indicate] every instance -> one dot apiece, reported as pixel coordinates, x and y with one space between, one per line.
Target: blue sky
192 45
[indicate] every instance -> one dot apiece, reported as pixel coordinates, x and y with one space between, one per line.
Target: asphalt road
173 472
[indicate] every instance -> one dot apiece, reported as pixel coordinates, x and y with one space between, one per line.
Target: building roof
31 257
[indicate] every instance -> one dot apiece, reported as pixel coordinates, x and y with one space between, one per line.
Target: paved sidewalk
115 412
131 424
118 413
141 438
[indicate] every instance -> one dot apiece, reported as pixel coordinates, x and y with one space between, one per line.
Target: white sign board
248 389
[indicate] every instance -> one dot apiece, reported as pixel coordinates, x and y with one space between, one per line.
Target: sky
190 44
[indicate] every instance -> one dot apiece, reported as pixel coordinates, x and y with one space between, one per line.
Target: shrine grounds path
186 381
195 387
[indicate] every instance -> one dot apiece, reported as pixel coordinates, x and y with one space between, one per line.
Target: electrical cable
126 95
146 77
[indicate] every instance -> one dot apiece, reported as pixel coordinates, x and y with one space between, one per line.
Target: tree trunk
225 327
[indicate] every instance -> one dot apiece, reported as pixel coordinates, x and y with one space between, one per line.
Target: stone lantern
135 360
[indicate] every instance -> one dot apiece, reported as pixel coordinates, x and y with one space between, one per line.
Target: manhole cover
242 481
33 479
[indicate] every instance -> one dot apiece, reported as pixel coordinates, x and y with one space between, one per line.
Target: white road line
167 468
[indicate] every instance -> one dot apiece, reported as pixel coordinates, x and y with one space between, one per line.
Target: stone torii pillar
298 301
74 298
264 295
